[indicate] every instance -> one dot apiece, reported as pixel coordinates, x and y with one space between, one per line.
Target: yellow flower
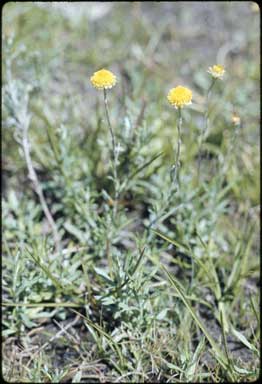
179 96
217 71
235 119
103 79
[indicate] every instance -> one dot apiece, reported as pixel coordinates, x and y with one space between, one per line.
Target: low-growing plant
126 260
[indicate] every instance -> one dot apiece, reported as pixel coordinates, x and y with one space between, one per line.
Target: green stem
109 123
114 155
176 165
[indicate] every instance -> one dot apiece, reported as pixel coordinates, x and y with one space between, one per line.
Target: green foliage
162 284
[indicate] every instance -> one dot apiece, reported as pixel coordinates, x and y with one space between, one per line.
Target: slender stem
176 165
22 118
37 187
114 155
109 256
223 327
109 123
205 127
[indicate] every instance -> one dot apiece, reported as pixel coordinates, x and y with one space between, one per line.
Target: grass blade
218 353
100 330
140 169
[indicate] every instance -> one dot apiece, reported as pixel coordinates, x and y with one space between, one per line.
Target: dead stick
37 187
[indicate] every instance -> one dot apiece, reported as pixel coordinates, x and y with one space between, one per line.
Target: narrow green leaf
73 230
146 164
254 310
188 250
174 242
138 260
102 273
46 270
140 169
111 341
218 353
243 340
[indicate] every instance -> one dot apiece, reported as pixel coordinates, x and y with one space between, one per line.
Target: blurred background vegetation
50 50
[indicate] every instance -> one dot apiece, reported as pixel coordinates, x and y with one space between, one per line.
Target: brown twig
56 336
37 187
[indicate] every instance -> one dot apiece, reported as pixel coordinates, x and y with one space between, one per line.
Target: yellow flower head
217 71
103 79
235 119
179 96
